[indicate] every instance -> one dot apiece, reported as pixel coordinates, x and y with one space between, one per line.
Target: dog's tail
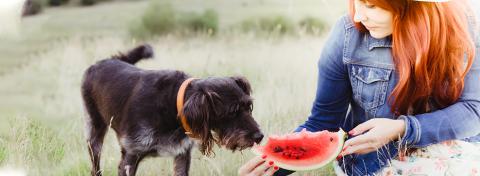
133 56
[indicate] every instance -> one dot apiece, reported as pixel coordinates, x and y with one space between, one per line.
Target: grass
277 25
40 105
3 152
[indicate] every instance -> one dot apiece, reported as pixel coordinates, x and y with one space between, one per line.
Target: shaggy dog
141 107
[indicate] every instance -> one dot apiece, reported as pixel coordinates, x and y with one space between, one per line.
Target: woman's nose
359 16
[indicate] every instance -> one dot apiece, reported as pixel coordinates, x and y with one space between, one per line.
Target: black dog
140 106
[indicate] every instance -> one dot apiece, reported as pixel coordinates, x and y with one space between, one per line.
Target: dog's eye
249 106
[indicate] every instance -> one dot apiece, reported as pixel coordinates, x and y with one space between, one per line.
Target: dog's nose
257 137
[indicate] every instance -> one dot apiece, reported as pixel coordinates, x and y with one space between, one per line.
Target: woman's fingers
365 151
361 128
251 165
271 170
372 135
262 168
364 148
361 139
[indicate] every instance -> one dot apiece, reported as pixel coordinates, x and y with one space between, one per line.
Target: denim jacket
356 75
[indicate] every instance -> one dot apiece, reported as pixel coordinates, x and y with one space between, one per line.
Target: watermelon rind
341 136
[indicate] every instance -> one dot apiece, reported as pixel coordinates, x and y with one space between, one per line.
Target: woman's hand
380 132
258 166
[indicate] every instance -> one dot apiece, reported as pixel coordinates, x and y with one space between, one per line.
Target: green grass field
40 105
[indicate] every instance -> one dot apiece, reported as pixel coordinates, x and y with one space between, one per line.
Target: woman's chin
378 35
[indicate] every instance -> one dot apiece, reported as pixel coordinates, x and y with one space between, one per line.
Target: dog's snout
257 137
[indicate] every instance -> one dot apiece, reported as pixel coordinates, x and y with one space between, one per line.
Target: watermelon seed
331 139
302 149
277 149
297 157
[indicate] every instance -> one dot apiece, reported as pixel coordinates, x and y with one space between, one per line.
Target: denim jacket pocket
369 86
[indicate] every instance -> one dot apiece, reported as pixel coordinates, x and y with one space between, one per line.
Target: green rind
341 136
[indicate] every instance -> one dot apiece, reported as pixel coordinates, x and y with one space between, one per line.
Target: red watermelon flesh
303 150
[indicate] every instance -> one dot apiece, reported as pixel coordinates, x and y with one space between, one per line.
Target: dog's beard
234 141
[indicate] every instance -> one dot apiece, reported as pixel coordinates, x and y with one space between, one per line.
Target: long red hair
429 45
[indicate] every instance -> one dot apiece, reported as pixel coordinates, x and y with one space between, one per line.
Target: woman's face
377 20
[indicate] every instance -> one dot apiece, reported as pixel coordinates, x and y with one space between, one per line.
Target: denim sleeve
457 121
333 87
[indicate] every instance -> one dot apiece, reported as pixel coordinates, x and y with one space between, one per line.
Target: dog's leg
182 163
95 148
95 133
129 163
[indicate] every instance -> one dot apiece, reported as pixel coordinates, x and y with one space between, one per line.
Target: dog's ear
243 83
198 111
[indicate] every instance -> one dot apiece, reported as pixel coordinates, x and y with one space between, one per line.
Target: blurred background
45 46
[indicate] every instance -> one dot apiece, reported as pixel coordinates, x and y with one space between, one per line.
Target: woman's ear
197 110
243 83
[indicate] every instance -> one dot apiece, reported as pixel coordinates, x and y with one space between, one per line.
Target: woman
403 78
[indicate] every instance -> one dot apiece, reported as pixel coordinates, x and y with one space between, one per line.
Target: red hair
429 44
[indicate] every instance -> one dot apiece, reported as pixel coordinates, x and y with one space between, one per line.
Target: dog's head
222 106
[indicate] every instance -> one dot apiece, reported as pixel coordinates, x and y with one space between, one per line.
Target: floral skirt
446 158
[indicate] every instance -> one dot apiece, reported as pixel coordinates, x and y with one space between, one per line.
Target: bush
313 25
206 22
32 7
157 20
57 2
87 2
276 24
161 19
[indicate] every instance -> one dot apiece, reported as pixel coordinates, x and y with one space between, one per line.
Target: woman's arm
333 86
458 121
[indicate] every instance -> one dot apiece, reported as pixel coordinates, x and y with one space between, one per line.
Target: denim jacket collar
372 42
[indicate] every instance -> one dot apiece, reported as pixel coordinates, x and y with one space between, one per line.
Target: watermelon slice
303 150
